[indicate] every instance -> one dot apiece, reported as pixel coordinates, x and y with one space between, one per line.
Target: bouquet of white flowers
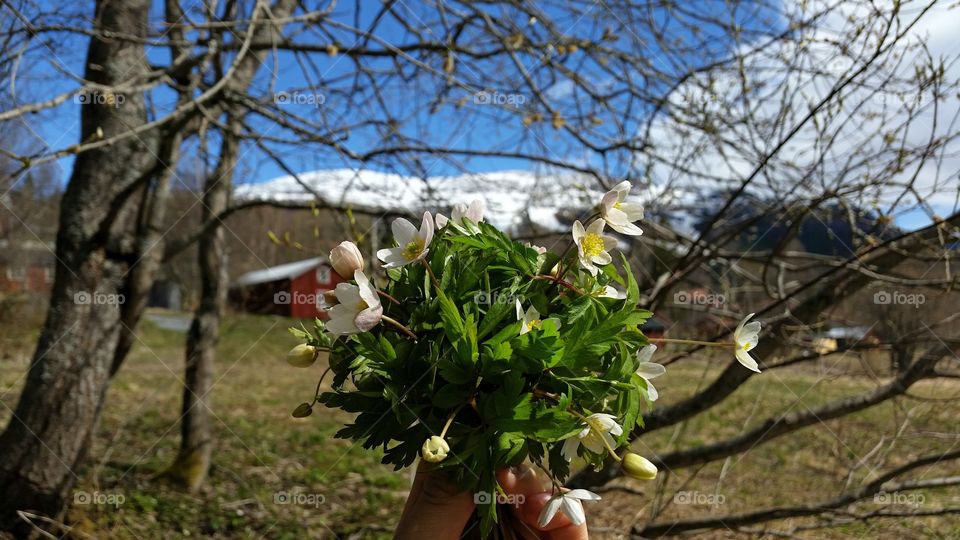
480 352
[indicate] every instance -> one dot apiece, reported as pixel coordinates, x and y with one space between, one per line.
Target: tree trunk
96 248
192 463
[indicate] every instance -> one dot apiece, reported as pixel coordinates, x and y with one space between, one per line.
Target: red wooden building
25 269
293 290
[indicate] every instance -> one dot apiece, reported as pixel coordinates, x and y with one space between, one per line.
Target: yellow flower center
535 323
616 204
592 244
413 249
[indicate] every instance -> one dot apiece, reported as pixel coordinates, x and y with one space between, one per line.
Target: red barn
26 269
292 290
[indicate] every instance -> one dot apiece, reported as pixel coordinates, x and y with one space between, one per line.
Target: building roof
276 273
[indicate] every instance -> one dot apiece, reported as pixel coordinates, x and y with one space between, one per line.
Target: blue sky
57 69
49 71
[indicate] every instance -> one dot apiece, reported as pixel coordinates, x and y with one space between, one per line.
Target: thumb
436 508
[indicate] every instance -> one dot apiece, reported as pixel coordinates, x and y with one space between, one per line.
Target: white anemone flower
539 249
609 291
568 503
597 435
474 213
649 370
745 338
412 245
359 307
530 319
592 245
620 214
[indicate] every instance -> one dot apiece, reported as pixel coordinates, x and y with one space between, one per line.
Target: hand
438 509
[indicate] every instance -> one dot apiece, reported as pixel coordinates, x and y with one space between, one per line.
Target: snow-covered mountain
514 198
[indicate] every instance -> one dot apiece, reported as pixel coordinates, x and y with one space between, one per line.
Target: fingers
524 481
570 532
435 508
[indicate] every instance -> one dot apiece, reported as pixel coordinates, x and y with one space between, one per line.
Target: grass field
263 454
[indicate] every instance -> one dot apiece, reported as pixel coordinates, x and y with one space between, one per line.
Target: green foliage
508 396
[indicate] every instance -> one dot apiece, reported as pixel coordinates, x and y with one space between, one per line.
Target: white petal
519 310
348 294
589 267
475 212
626 228
597 226
739 329
341 321
570 447
606 203
617 217
593 444
440 221
456 215
608 436
583 495
750 331
646 353
622 189
609 242
652 393
603 258
426 231
650 370
549 510
368 318
403 231
748 362
577 231
604 419
633 211
367 292
387 254
573 508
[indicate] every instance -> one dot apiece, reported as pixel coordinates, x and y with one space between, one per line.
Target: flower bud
435 449
346 259
638 467
302 355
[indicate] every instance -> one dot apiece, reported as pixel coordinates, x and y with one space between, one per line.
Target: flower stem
430 271
693 342
443 433
388 297
399 326
556 280
316 393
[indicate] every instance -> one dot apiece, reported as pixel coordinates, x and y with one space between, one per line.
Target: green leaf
452 320
454 372
511 449
633 290
452 395
299 334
